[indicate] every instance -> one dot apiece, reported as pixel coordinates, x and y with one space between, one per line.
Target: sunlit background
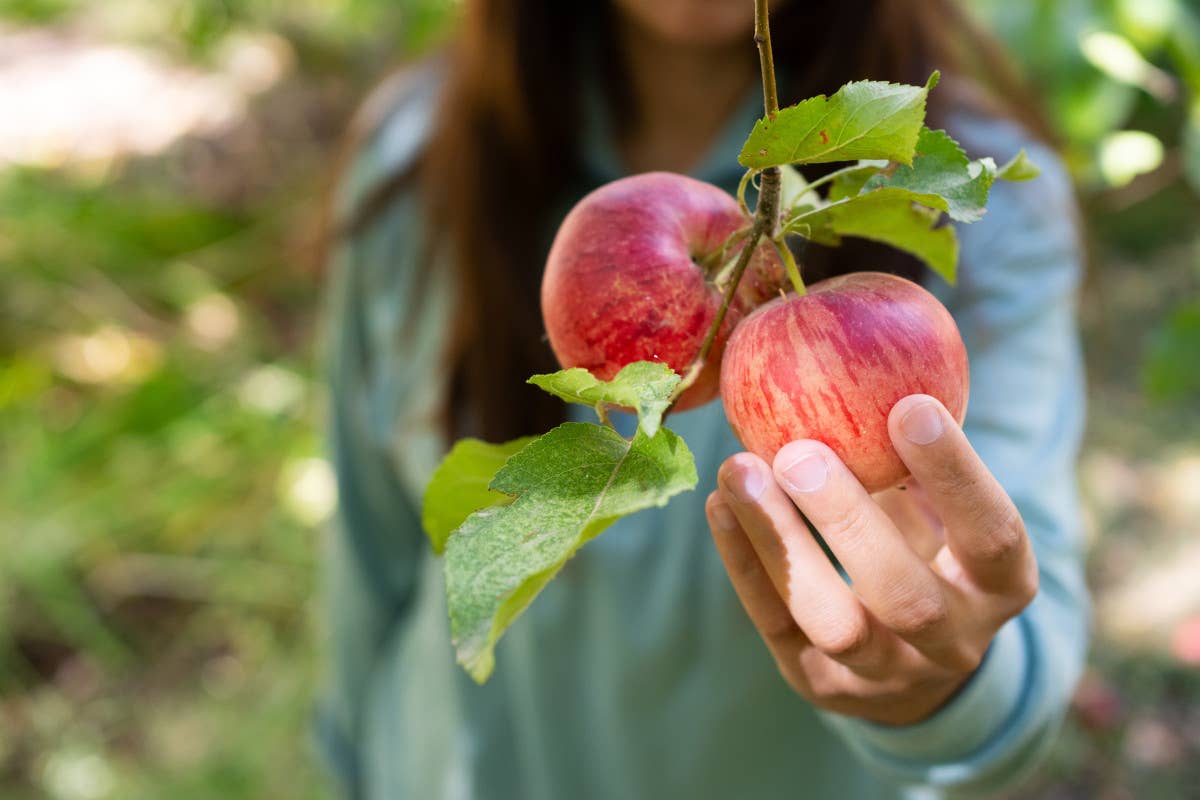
163 487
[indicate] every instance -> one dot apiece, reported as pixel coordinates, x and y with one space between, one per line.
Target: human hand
928 590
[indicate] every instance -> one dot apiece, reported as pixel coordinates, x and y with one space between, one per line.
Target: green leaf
794 192
1019 168
1171 372
567 486
865 119
942 177
644 386
850 181
889 215
459 486
1190 145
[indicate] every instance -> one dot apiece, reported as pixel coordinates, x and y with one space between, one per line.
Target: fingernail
806 474
723 519
748 485
922 424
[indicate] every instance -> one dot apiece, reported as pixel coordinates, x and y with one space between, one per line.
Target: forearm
1002 722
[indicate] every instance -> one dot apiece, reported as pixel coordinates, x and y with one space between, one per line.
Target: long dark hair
506 135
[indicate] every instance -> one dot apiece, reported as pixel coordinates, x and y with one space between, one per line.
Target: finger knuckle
962 659
952 480
1026 585
1006 538
844 638
924 618
777 625
824 687
848 526
797 671
744 564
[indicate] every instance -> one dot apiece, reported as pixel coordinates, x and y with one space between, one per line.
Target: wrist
918 704
965 721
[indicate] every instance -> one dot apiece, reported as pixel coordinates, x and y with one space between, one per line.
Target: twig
766 212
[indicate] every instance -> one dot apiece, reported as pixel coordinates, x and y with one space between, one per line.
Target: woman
655 665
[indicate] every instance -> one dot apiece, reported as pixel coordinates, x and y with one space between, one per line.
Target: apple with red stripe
829 365
633 276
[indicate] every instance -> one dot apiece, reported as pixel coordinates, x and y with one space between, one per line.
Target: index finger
983 529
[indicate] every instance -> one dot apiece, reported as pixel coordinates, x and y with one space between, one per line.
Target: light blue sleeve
376 344
374 545
1015 305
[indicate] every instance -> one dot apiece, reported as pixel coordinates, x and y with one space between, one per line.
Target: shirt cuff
978 713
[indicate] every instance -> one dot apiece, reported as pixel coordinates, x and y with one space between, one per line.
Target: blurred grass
163 484
163 488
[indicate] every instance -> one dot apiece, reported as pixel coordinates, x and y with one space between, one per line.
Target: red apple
831 364
630 278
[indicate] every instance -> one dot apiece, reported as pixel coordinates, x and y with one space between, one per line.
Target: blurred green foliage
1121 85
160 416
160 405
147 535
1173 365
1095 62
35 11
197 27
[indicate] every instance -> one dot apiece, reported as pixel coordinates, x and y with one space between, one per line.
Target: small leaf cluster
508 516
903 178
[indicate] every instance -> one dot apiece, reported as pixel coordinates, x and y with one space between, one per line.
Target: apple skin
624 280
831 364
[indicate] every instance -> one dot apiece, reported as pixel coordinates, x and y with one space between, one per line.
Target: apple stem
741 190
789 263
602 413
766 212
766 219
718 266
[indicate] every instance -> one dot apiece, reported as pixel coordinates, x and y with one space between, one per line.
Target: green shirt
636 674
